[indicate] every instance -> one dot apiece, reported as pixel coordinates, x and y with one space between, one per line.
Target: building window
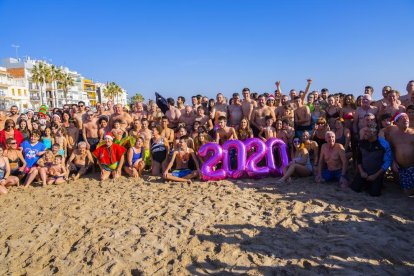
25 92
19 92
12 91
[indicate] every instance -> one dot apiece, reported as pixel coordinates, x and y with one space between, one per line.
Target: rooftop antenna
16 47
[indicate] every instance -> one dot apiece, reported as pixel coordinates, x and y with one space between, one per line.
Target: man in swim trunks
110 158
90 131
401 138
333 154
80 161
181 156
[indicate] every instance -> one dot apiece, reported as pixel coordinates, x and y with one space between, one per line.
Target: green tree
137 98
64 82
39 74
112 91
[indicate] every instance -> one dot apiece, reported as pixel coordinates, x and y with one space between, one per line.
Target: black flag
161 102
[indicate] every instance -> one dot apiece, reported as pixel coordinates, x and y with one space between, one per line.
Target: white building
100 87
13 90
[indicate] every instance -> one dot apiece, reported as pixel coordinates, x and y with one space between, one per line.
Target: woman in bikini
333 112
6 179
16 159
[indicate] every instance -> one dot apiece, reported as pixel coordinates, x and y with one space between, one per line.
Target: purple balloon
207 170
282 150
241 158
260 151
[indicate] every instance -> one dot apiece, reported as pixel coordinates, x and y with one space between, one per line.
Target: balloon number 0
236 152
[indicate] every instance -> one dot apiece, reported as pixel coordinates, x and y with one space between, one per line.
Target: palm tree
112 90
64 82
39 77
52 75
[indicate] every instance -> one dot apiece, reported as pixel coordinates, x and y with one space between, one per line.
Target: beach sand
253 227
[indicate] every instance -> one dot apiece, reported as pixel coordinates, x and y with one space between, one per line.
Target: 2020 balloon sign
245 165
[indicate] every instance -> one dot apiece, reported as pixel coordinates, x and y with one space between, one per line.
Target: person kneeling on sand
333 154
181 156
110 158
135 160
57 172
374 159
80 161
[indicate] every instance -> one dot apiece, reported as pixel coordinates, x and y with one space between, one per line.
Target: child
280 132
117 132
47 139
60 139
269 131
57 172
80 161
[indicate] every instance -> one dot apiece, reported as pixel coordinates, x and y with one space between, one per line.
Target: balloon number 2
238 159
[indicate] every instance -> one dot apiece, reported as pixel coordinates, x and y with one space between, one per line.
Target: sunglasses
296 142
321 124
81 105
12 143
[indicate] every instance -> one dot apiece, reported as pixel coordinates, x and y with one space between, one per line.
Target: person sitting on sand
333 154
300 164
39 171
110 158
15 157
374 159
6 179
57 172
181 156
401 138
80 161
268 131
135 161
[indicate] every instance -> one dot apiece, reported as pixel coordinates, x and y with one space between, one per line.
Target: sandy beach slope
251 227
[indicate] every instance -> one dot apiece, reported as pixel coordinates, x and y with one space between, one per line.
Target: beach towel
109 156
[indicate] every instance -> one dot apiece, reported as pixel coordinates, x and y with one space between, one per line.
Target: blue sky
203 47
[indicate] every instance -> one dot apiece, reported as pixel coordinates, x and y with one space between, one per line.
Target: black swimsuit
158 150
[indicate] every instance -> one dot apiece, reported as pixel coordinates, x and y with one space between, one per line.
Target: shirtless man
280 110
180 103
220 109
302 117
80 161
235 111
79 116
248 104
181 156
360 113
72 136
167 132
14 113
224 132
204 119
154 114
102 112
110 107
173 114
188 117
140 112
194 102
369 90
384 101
393 105
259 113
333 154
401 138
145 133
90 131
408 99
119 114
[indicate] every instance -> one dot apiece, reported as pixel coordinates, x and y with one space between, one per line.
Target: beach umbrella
161 102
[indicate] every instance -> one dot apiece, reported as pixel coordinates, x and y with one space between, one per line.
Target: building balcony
34 98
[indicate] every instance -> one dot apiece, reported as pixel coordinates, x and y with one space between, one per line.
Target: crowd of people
356 142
